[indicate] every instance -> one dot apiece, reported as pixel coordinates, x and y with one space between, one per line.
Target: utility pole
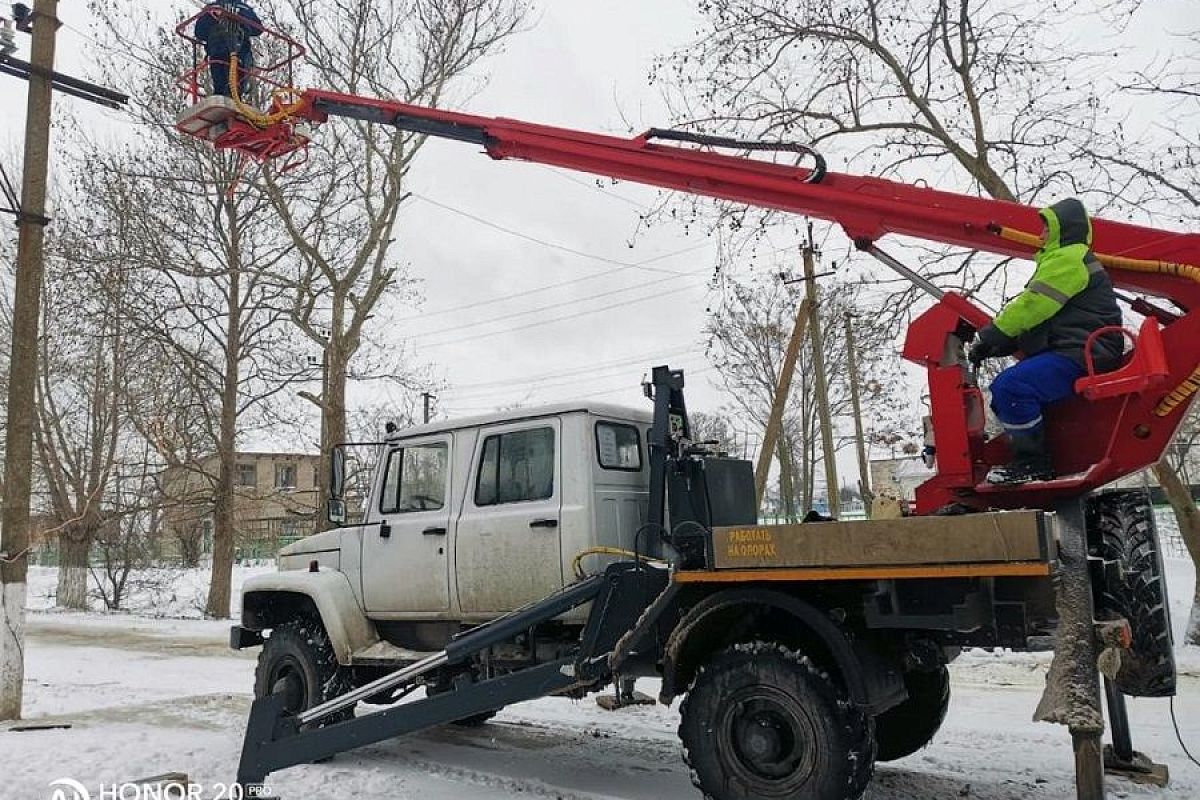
23 362
832 488
428 398
782 390
864 472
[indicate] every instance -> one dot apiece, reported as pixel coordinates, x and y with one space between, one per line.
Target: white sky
584 64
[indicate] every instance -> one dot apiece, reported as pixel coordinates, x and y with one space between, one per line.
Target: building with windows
275 502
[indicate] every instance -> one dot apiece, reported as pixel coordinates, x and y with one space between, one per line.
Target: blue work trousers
219 67
1020 392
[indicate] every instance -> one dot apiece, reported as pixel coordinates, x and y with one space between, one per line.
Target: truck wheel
297 661
904 729
1121 533
762 721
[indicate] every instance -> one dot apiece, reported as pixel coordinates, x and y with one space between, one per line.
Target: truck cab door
508 549
405 555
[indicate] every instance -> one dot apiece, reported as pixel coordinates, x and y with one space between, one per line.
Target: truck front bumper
241 638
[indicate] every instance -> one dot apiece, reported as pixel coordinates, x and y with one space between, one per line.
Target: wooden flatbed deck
994 544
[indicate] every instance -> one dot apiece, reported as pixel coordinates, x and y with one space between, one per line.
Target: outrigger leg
275 740
1119 757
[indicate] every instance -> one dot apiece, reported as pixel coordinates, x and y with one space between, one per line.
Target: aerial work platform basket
236 122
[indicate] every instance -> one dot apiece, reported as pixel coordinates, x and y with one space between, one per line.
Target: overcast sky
480 232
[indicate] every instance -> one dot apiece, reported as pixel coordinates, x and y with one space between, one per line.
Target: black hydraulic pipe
371 113
521 620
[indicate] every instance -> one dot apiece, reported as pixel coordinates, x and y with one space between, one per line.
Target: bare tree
128 541
80 411
905 89
203 246
708 427
1154 172
343 218
748 333
992 96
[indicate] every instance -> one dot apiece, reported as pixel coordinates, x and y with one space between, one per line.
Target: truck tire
1121 533
297 661
762 721
904 729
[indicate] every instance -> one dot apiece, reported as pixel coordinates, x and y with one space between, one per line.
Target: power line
596 188
552 306
600 367
481 395
567 318
536 240
451 408
551 286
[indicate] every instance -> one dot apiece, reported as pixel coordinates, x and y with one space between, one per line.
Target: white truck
804 653
465 521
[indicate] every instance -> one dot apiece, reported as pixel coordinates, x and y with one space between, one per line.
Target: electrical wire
566 318
544 243
551 286
562 304
603 366
577 563
451 408
571 383
1179 736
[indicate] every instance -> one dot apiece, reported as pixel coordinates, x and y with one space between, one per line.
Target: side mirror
337 473
336 511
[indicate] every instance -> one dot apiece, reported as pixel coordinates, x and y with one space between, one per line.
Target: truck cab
465 521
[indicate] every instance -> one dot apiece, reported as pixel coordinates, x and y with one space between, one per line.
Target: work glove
992 342
980 352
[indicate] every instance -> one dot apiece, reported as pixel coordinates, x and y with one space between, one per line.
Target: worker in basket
1068 298
225 29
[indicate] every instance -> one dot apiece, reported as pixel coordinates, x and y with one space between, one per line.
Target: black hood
1068 223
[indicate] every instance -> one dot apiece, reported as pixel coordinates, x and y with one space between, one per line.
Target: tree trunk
333 419
220 588
806 469
787 492
191 545
1188 517
74 549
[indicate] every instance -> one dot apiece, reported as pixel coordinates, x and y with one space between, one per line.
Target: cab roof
610 410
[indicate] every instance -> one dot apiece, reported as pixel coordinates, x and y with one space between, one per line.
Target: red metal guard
1145 367
229 124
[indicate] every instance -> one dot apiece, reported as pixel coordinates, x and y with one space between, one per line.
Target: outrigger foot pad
1138 768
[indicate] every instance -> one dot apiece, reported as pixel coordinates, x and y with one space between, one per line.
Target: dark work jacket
1069 297
223 35
1067 331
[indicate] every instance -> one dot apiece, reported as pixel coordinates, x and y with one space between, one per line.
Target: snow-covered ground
147 696
166 592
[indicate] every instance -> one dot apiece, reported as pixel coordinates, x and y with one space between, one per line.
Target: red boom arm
1117 425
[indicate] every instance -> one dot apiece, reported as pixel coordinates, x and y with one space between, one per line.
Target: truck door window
618 446
415 479
516 467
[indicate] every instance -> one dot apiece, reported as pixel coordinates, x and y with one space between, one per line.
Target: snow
152 695
160 592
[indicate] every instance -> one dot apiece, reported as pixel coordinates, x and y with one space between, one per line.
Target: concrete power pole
23 363
864 470
829 456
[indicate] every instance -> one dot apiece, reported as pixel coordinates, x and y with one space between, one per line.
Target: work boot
1031 460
